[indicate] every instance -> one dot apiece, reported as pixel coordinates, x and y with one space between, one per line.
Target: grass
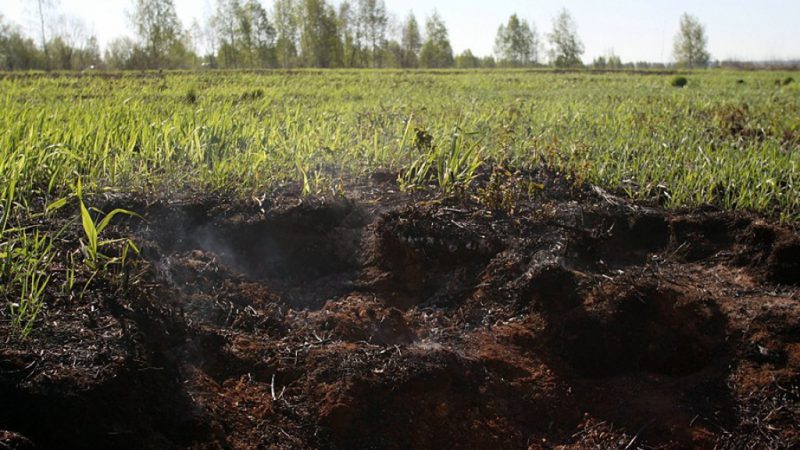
139 133
728 138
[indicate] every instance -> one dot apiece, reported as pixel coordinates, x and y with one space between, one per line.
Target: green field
729 138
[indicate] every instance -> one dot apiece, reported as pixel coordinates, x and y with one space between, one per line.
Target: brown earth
567 319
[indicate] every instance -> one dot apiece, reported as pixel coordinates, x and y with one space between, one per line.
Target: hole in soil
626 240
645 330
695 238
419 258
307 254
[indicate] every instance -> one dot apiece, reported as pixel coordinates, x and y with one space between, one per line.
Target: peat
387 320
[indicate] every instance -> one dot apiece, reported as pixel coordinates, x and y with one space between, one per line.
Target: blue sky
633 29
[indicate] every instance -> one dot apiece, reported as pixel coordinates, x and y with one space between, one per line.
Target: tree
5 29
201 42
363 27
285 15
319 42
611 61
374 20
262 34
254 34
690 43
247 37
566 47
436 51
353 28
72 46
225 24
17 52
393 54
488 62
517 43
180 54
59 53
159 29
411 42
600 63
614 62
42 5
347 25
466 60
125 54
89 55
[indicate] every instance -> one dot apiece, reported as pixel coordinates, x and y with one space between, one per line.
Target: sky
635 30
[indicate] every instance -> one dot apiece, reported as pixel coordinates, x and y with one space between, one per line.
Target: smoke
306 256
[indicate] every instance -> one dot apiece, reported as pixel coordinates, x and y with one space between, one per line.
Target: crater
306 254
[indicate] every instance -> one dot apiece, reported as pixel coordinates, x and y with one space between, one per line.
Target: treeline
293 33
70 48
243 34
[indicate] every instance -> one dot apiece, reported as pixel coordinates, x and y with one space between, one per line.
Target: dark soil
386 320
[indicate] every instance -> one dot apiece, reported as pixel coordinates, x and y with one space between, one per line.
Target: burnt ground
570 318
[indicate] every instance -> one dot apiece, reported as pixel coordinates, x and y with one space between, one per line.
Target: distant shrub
191 96
252 95
788 81
679 82
423 140
739 81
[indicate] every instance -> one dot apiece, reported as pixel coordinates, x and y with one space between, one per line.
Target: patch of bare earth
389 321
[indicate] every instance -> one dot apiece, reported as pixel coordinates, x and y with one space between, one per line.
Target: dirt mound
659 331
392 321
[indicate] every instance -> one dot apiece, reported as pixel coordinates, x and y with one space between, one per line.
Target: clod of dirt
783 265
643 329
357 317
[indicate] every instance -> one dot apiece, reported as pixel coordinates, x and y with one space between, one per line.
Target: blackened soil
383 320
